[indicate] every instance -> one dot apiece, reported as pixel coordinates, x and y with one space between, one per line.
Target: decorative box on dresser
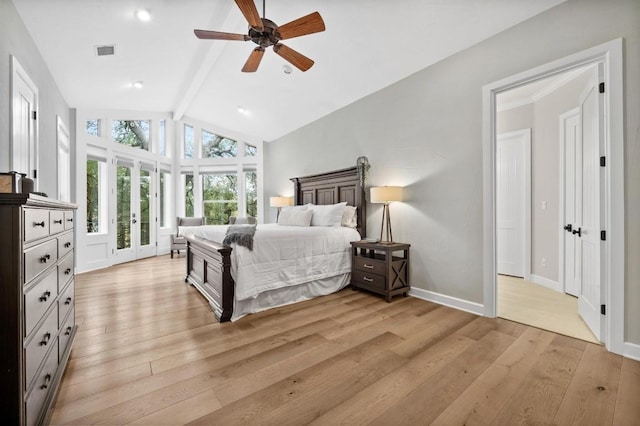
381 268
37 317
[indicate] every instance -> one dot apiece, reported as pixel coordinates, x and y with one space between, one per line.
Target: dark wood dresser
381 268
37 318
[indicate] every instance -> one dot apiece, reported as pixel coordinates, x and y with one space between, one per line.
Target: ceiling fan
266 33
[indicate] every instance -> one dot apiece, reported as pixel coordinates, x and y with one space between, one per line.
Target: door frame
613 287
526 219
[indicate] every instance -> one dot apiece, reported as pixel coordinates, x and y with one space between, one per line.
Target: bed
288 264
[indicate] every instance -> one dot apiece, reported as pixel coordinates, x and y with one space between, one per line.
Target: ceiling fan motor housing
268 37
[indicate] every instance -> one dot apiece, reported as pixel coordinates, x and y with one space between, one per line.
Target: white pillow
349 217
327 215
295 217
293 208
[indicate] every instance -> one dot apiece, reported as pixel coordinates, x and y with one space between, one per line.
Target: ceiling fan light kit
265 33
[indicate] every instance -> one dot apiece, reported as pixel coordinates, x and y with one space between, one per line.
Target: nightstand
380 268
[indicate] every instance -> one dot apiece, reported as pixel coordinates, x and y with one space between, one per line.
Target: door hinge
603 161
35 174
603 310
113 251
603 235
34 114
601 87
156 244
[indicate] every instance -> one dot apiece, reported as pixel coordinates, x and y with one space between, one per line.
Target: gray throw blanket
240 234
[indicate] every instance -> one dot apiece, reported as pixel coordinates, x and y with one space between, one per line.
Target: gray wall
15 40
425 133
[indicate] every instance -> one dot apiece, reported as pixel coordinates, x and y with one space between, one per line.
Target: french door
134 216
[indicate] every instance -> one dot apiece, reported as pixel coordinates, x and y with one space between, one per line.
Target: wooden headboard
331 188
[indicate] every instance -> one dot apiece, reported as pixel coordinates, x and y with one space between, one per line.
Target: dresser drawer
65 244
65 334
65 270
42 386
38 299
65 303
369 265
368 279
68 219
36 224
56 221
39 258
42 340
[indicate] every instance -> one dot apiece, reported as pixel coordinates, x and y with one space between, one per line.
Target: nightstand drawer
368 279
368 265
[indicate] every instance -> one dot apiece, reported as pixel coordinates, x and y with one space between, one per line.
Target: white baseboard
632 351
453 302
546 282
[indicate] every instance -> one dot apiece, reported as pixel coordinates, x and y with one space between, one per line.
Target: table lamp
385 195
280 202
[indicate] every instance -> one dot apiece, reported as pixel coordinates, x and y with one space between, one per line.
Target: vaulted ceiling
367 46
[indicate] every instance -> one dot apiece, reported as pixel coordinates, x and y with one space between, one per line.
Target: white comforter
283 256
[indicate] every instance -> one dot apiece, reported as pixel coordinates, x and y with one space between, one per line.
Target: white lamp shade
386 194
280 201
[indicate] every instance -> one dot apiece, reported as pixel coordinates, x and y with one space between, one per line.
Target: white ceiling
367 46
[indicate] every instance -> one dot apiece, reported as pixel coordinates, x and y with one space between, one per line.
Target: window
214 146
123 207
188 195
145 206
250 150
93 127
189 141
220 198
164 195
162 139
251 193
134 133
96 196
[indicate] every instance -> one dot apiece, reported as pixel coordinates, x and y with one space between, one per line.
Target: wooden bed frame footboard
209 270
209 262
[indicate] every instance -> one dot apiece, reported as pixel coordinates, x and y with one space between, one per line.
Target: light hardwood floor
150 352
532 304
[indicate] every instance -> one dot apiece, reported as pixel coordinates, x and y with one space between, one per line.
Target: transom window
134 133
216 146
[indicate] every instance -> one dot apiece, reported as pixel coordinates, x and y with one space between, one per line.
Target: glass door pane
123 207
145 211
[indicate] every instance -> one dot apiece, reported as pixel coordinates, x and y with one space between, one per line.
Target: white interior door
513 195
24 146
572 201
590 219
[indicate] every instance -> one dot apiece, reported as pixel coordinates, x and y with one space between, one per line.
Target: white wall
15 40
425 133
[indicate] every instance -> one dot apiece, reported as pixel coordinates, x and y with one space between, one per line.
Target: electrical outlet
544 262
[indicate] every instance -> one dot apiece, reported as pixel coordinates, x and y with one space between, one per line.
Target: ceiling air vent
105 50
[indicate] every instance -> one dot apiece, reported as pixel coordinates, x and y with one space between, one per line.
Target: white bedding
284 256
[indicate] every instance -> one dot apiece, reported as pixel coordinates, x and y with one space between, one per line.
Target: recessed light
137 84
143 14
243 110
287 69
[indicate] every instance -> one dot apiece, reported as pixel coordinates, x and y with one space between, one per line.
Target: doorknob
135 221
577 231
568 228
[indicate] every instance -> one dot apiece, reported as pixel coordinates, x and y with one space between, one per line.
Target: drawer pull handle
45 339
58 221
36 224
45 296
47 380
70 220
68 332
67 244
367 279
45 258
368 266
68 301
67 271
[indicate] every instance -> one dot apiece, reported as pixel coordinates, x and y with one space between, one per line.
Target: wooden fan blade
254 60
295 58
250 12
309 24
217 35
